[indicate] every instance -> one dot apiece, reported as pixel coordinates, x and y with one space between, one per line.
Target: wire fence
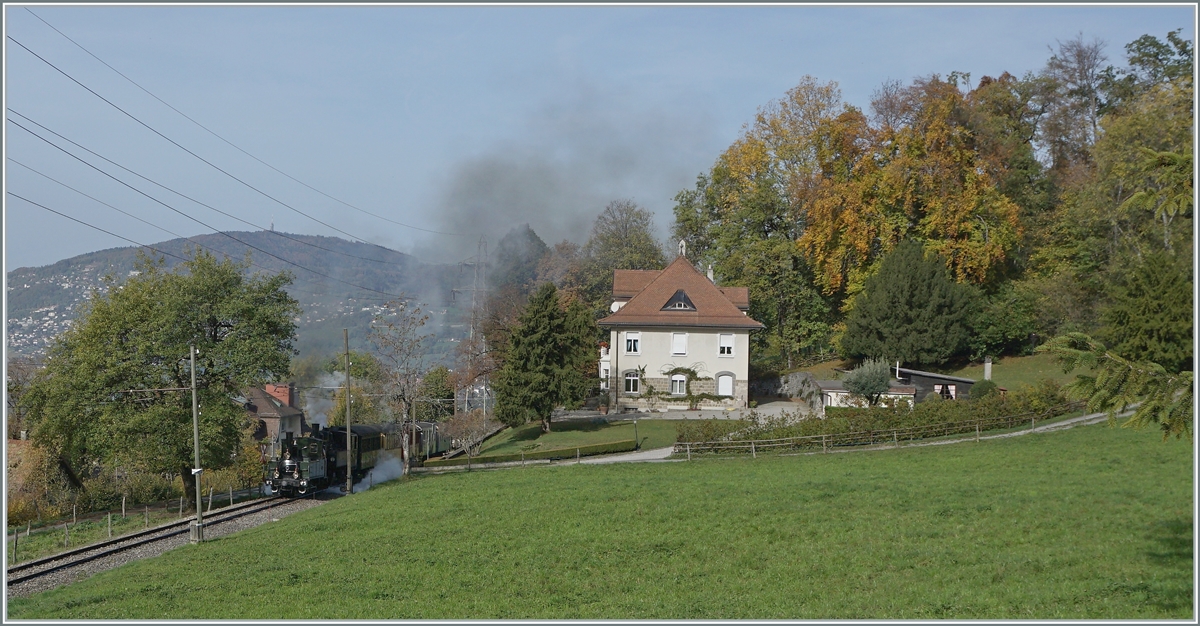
894 436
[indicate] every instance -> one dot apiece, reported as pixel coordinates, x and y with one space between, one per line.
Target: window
604 378
678 385
726 344
631 382
633 343
679 343
946 391
724 385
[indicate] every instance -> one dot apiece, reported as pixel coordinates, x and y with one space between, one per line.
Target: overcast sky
464 120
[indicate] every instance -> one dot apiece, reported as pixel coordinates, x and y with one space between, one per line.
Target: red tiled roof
739 296
627 283
714 307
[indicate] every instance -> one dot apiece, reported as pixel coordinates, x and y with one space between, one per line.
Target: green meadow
1088 523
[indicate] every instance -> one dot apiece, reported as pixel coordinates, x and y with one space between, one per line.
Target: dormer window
679 302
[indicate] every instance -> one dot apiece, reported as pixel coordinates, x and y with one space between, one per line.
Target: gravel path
86 570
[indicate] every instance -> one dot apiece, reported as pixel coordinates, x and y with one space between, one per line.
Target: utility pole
349 438
197 533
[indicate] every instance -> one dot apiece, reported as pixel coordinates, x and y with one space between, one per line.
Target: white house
676 318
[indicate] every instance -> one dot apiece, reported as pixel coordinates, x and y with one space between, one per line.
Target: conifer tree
546 363
910 310
1151 316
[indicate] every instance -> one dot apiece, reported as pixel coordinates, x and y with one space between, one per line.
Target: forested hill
43 300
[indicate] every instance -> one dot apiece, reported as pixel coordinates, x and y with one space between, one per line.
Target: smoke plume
386 468
574 159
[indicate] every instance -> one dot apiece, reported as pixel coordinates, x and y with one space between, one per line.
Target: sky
463 120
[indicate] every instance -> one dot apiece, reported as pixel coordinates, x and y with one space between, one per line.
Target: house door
725 385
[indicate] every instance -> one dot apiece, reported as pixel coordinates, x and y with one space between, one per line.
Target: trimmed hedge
559 453
1045 396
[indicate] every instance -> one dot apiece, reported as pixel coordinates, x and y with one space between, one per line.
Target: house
835 394
949 387
274 409
671 319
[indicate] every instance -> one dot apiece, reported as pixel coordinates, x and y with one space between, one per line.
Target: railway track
38 568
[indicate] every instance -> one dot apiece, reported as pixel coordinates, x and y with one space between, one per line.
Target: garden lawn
1088 523
654 433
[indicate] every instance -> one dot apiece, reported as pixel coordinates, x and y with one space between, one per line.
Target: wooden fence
893 436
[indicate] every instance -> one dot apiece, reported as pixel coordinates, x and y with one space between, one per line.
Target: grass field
654 433
1088 523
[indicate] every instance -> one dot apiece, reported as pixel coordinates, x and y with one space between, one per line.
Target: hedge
559 453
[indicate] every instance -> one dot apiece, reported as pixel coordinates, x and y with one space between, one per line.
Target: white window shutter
679 343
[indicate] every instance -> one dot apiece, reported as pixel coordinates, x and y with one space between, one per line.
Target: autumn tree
20 375
364 407
85 407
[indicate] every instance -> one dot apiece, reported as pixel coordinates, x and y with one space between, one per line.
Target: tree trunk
72 478
545 424
189 485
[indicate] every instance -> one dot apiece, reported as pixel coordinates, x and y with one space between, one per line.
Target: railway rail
37 568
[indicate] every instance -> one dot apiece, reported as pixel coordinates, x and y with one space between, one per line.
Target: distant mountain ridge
43 301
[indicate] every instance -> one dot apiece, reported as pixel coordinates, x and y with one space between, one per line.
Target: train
296 466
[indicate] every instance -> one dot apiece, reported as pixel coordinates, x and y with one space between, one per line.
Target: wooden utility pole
349 438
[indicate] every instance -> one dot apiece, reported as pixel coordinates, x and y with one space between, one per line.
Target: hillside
42 301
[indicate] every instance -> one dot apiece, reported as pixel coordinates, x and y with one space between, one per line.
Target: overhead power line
193 154
187 197
153 225
230 143
156 200
108 232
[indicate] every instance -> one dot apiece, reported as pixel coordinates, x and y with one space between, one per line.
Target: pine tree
910 310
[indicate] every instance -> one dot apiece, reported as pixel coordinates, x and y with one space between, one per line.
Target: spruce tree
910 310
547 357
1150 318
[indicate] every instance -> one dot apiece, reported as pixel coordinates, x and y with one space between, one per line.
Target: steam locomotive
298 465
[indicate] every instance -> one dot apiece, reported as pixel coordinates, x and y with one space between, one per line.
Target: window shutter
679 343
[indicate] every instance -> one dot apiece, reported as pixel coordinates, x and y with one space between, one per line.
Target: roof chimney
710 276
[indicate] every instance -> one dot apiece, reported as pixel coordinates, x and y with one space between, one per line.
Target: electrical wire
198 157
187 197
230 143
151 224
248 245
95 227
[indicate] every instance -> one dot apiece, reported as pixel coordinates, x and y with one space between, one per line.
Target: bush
983 389
707 430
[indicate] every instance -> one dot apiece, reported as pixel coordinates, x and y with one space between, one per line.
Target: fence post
110 524
210 491
522 458
576 455
180 507
1033 422
74 517
896 438
147 516
752 452
689 451
231 496
16 537
66 536
824 444
122 507
27 527
976 431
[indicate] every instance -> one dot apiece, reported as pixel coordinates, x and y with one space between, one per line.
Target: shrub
560 453
707 430
983 389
